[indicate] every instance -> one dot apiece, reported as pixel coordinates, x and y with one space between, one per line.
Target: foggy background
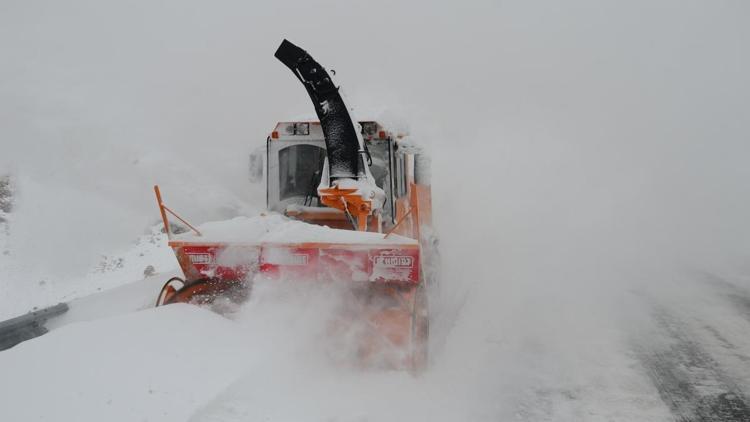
552 125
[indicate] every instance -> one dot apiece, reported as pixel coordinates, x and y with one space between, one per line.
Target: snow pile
182 362
159 365
275 228
121 300
26 286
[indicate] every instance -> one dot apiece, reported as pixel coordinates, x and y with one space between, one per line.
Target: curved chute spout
342 143
347 183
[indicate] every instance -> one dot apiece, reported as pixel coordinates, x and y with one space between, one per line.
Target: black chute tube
342 145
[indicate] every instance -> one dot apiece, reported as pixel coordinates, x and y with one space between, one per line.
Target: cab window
300 167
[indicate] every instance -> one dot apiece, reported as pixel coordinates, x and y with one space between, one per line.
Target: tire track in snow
737 296
689 380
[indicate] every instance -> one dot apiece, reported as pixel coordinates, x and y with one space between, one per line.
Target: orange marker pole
163 213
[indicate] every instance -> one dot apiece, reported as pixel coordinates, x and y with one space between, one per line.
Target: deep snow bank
158 364
27 284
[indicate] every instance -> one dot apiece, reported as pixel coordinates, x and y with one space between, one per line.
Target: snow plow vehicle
358 197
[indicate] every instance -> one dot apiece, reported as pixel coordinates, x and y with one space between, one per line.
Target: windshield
299 170
380 169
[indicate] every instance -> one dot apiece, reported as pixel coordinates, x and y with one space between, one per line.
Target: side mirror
256 165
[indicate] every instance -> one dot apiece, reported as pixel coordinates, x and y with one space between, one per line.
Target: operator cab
295 154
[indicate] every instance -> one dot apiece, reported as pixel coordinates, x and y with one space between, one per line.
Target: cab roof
300 130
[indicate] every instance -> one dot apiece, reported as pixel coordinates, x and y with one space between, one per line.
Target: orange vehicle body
388 280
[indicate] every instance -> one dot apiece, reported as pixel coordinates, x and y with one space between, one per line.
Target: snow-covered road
662 354
697 355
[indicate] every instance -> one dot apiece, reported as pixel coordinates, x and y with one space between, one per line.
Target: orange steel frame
410 213
414 208
164 210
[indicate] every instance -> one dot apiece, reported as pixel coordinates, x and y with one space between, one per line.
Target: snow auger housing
360 180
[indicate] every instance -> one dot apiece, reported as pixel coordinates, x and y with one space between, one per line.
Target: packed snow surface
158 365
275 228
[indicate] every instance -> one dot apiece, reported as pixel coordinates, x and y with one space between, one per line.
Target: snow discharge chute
346 182
343 145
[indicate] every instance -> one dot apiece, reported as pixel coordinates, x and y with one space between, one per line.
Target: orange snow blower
347 175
